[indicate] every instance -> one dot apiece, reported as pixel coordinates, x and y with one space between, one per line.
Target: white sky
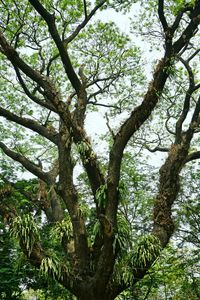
95 123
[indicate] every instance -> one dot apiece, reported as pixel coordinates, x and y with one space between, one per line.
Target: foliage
95 222
147 249
173 276
51 266
10 277
25 229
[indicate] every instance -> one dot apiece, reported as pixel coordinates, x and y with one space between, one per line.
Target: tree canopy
93 213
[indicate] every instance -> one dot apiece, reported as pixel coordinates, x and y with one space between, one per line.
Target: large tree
57 66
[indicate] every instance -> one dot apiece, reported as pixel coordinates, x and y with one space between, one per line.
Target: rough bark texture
168 191
92 266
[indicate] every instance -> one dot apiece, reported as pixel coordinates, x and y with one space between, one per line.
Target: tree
17 276
56 67
10 279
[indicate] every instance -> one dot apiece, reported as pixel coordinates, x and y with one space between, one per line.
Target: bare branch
104 88
103 105
192 156
162 15
179 17
17 62
167 121
85 8
186 104
193 55
157 148
84 23
30 166
51 60
194 124
108 125
50 20
190 29
31 124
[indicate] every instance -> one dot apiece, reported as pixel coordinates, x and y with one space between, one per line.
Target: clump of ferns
63 230
51 266
146 250
26 231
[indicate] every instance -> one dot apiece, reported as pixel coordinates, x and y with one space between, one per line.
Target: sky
95 122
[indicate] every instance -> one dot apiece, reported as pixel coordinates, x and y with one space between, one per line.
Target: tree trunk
95 294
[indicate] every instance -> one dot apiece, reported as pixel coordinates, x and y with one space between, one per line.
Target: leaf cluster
26 231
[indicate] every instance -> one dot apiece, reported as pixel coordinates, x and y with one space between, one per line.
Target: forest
99 149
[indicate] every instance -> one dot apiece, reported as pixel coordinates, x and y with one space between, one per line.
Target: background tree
57 66
19 279
10 288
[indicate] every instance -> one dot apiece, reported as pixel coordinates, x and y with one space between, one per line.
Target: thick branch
168 191
49 89
130 126
14 58
143 111
192 156
161 15
50 20
190 29
157 148
30 166
31 124
69 194
89 159
169 180
88 156
36 256
37 100
84 23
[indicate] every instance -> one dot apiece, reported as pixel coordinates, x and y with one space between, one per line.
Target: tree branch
85 9
76 31
186 104
179 17
190 29
161 15
50 20
69 194
84 23
169 187
169 180
157 148
143 111
46 104
30 166
193 55
129 127
192 156
31 124
14 58
12 55
104 105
